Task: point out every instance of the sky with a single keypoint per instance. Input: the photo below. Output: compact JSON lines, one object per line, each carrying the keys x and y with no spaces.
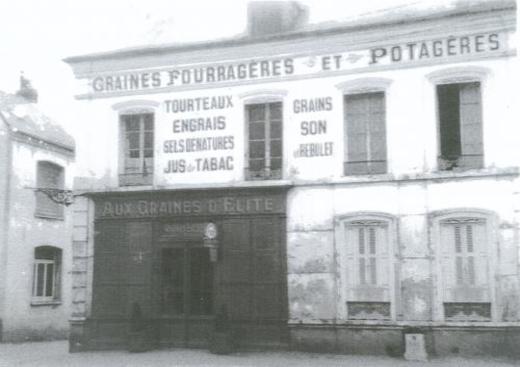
{"x":35,"y":35}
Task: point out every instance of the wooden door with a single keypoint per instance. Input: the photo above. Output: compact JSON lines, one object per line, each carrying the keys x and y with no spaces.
{"x":186,"y":295}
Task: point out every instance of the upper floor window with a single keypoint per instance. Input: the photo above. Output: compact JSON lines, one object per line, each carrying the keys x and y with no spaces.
{"x":264,"y":131}
{"x":48,"y":176}
{"x":138,"y":149}
{"x":46,"y":274}
{"x":365,"y":134}
{"x":460,"y":126}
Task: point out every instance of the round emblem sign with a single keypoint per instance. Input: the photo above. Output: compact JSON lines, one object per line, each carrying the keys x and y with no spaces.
{"x":211,"y":231}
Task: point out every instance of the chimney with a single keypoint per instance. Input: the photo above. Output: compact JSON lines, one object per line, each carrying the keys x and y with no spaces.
{"x":27,"y":91}
{"x":272,"y":17}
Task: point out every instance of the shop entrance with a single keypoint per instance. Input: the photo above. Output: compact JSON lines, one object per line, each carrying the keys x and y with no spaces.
{"x":186,"y":295}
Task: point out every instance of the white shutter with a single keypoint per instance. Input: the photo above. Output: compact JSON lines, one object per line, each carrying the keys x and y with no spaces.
{"x":481,"y":247}
{"x":471,"y":125}
{"x":448,"y":260}
{"x":352,"y":265}
{"x":383,"y":258}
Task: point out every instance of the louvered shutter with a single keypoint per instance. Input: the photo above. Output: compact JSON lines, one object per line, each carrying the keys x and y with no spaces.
{"x":448,"y":260}
{"x":465,"y":261}
{"x":49,"y":176}
{"x":471,"y":125}
{"x":383,"y":259}
{"x":352,"y":265}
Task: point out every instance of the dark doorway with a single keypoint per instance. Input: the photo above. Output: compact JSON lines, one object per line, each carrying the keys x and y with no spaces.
{"x":186,"y":291}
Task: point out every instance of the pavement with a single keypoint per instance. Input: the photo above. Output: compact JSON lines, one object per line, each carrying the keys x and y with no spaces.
{"x":56,"y":354}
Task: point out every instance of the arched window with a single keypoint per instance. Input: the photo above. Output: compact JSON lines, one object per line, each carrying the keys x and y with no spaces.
{"x":366,"y":251}
{"x":463,"y":244}
{"x":48,"y":176}
{"x":46,"y":274}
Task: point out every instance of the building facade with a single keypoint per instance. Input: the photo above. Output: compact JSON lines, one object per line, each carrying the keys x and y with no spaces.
{"x":36,"y":160}
{"x":329,"y":187}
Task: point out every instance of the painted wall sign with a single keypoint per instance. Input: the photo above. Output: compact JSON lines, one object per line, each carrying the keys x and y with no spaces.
{"x":186,"y":148}
{"x":224,"y":205}
{"x":313,"y":127}
{"x":439,"y":50}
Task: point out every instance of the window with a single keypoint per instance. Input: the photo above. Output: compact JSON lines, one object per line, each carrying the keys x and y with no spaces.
{"x":466,"y":291}
{"x":367,"y":276}
{"x":46,"y":278}
{"x":138,"y":149}
{"x":365,"y":134}
{"x":48,"y":176}
{"x":264,"y":130}
{"x":460,"y":126}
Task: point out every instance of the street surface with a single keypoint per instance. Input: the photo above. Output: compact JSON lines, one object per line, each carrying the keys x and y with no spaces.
{"x":56,"y":354}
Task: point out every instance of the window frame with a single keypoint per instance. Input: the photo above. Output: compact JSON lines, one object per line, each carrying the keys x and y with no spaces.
{"x":40,"y":198}
{"x":360,"y":86}
{"x":436,"y":220}
{"x":459,"y":75}
{"x":265,"y":97}
{"x":56,"y":262}
{"x":140,"y":108}
{"x":345,"y":286}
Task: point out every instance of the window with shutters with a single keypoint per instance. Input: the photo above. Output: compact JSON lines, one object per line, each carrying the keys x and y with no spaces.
{"x":367,"y":258}
{"x":460,"y":126}
{"x":138,"y":149}
{"x":46,"y":275}
{"x":264,"y":137}
{"x":365,"y":134}
{"x":465,"y":268}
{"x":48,"y":176}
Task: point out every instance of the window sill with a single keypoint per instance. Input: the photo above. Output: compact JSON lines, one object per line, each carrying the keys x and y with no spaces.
{"x":38,"y":303}
{"x":49,"y":216}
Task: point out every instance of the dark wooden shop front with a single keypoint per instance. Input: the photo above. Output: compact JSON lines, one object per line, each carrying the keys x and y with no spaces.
{"x":153,"y":250}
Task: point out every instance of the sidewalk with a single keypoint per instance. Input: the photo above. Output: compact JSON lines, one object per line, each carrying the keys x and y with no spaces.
{"x":56,"y":354}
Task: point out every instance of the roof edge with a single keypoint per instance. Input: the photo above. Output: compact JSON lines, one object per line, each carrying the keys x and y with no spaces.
{"x":244,"y":40}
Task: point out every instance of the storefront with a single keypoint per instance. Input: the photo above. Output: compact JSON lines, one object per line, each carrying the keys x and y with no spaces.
{"x":183,"y":257}
{"x":361,"y":187}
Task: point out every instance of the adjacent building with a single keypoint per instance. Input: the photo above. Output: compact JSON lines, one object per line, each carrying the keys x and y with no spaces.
{"x":36,"y":160}
{"x":328,"y":187}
